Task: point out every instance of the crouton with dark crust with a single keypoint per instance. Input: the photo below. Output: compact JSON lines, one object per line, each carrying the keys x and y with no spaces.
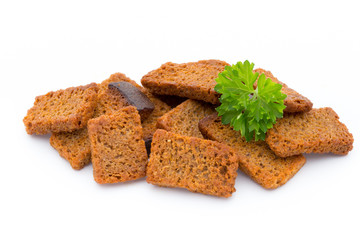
{"x":148,"y":123}
{"x":194,"y":80}
{"x":112,"y":99}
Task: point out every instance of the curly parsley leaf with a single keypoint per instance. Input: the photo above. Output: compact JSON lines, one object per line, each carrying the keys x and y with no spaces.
{"x":252,"y":111}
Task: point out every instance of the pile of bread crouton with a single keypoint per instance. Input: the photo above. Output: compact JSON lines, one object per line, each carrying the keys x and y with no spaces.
{"x":168,"y":130}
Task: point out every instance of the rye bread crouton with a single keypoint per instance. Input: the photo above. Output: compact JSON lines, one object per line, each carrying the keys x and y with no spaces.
{"x":73,"y":146}
{"x":123,"y":94}
{"x":317,"y":131}
{"x":255,"y":158}
{"x":294,"y":102}
{"x":117,"y":148}
{"x":64,"y":110}
{"x":196,"y":164}
{"x":111,"y":99}
{"x":184,"y":118}
{"x":194,"y":80}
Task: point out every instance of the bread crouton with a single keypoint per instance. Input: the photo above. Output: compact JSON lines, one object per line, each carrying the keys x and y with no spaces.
{"x":196,"y":164}
{"x":317,"y":131}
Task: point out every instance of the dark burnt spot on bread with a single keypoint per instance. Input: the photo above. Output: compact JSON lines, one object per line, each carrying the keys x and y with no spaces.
{"x":133,"y":96}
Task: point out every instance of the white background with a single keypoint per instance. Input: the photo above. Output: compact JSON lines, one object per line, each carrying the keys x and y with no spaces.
{"x":312,"y":46}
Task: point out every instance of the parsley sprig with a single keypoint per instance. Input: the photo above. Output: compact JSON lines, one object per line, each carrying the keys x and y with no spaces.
{"x":251,"y":110}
